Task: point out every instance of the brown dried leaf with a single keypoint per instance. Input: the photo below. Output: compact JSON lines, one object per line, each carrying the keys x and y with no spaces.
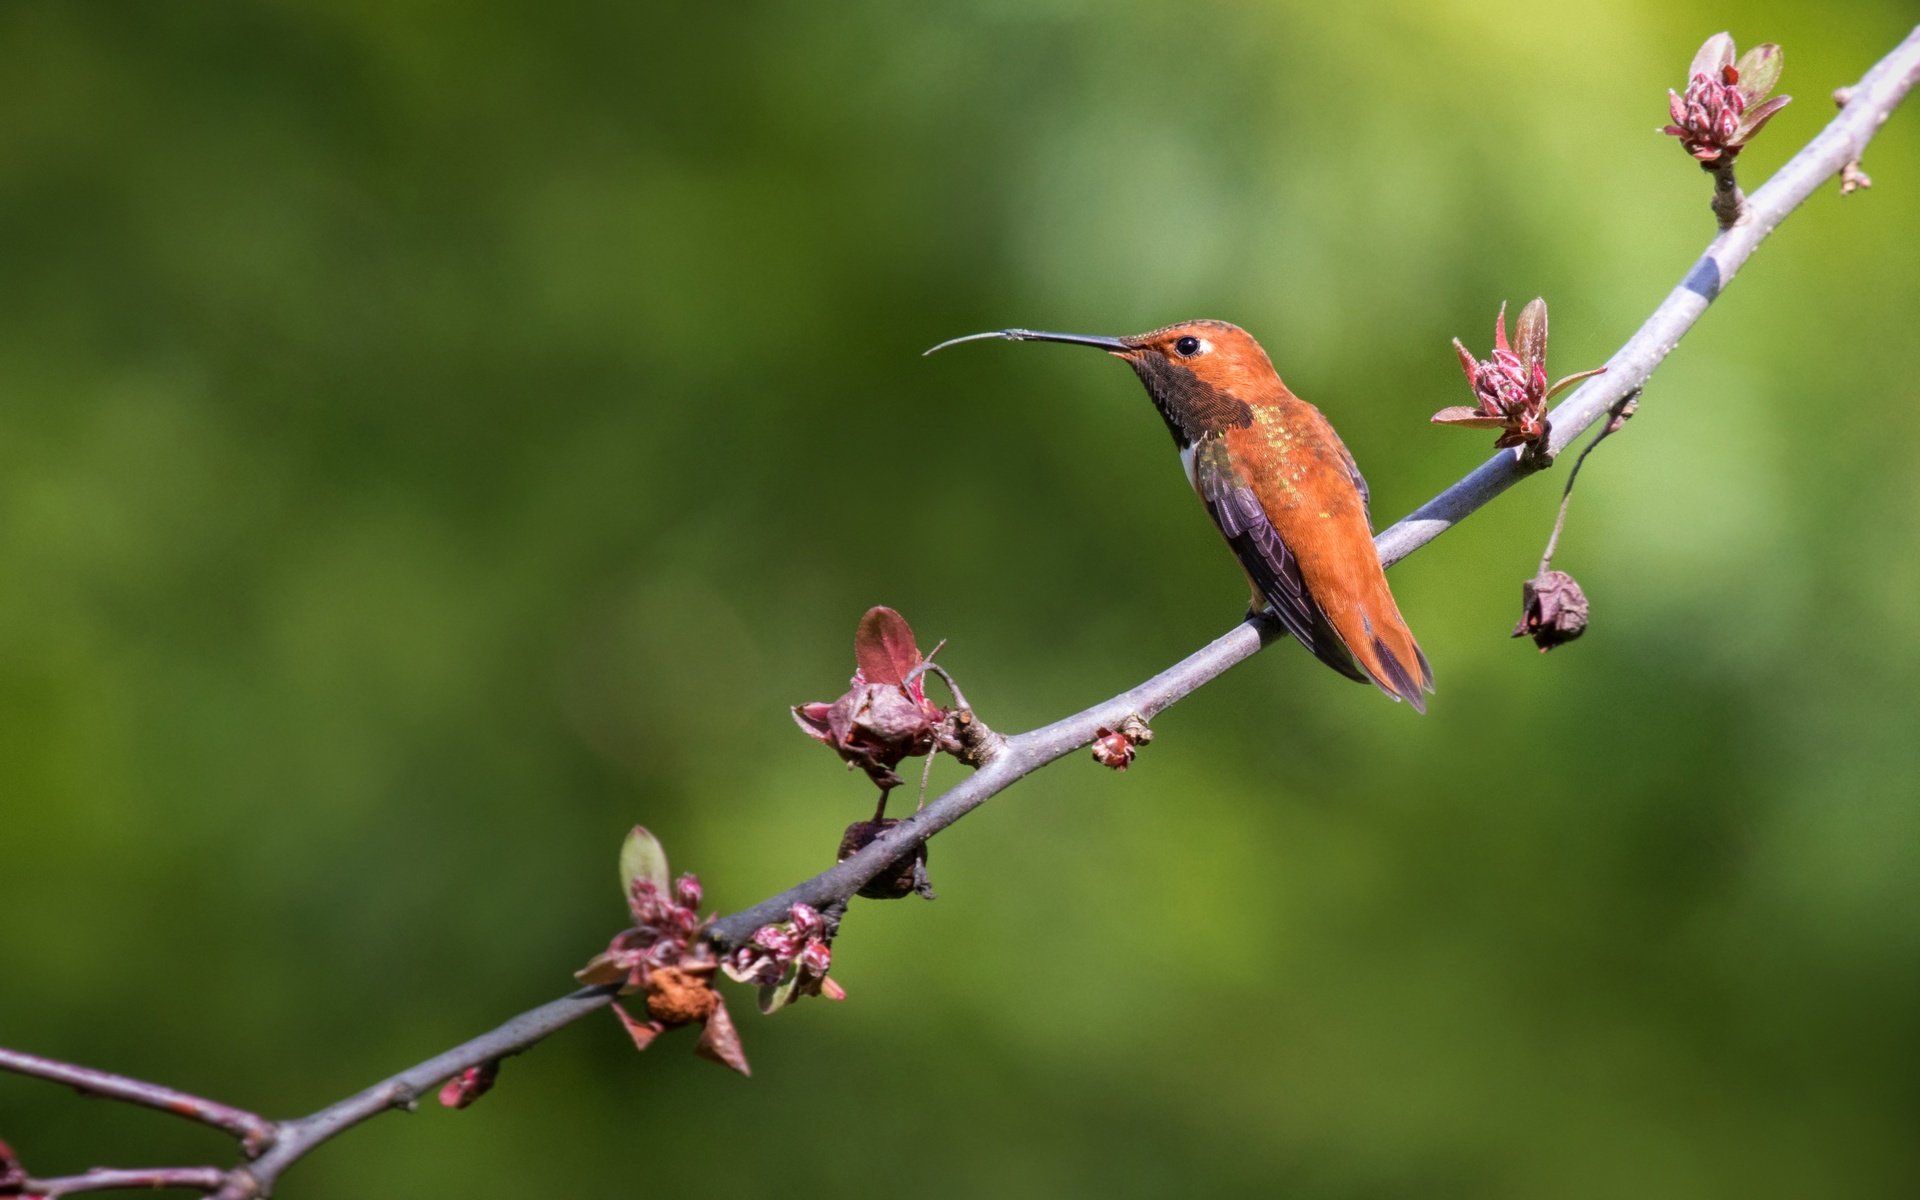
{"x":642,"y":1032}
{"x":720,"y":1042}
{"x":605,"y":967}
{"x":1466,"y":414}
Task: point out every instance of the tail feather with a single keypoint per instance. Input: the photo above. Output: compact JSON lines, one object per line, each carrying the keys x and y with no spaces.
{"x":1387,"y":651}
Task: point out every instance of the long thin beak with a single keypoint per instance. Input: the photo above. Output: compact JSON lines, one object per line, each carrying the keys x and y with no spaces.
{"x":1110,"y":345}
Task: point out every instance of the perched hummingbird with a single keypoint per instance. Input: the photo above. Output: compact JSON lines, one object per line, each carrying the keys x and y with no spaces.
{"x":1282,"y":488}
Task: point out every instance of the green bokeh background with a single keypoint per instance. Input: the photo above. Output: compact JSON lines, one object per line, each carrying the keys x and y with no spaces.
{"x":434,"y":438}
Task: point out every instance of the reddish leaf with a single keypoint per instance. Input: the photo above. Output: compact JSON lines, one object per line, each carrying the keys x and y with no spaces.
{"x":720,"y":1042}
{"x":1500,"y":329}
{"x":1716,"y":53}
{"x":1468,"y":362}
{"x":1561,"y":385}
{"x":1530,"y":333}
{"x":1758,"y":117}
{"x":642,"y":1032}
{"x":1463,"y":414}
{"x":884,"y":647}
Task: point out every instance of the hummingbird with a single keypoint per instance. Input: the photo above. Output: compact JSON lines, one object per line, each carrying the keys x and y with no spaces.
{"x":1282,"y":489}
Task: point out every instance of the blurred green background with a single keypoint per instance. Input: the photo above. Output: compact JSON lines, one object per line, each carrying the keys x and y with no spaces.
{"x":434,"y":438}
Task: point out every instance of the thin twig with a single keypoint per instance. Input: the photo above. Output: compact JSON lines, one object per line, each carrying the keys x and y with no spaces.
{"x":1729,"y":202}
{"x":1874,"y":99}
{"x":109,"y":1179}
{"x":255,"y":1132}
{"x":1852,"y":177}
{"x":1619,"y":413}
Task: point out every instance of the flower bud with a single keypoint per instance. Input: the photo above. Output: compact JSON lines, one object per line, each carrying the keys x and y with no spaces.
{"x":1555,"y":610}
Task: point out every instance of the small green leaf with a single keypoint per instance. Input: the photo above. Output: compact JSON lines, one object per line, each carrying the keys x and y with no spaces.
{"x":776,"y":996}
{"x":643,"y":857}
{"x":1759,"y":70}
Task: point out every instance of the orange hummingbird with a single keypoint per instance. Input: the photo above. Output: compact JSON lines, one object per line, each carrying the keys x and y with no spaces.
{"x":1282,"y":488}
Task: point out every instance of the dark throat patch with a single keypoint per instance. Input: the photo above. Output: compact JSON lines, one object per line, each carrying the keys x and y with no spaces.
{"x":1193,"y":408}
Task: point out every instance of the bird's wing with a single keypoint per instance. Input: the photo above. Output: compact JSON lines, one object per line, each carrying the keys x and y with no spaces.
{"x":1359,"y":485}
{"x":1235,"y":508}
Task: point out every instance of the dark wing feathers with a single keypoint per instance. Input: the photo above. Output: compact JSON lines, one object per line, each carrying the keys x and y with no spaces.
{"x":1266,"y":559}
{"x":1359,"y":485}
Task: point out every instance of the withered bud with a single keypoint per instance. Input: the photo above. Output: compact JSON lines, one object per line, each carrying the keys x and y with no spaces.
{"x":1112,"y":749}
{"x":1115,"y":748}
{"x":903,"y":877}
{"x":1554,"y":610}
{"x":13,"y":1176}
{"x":471,"y":1084}
{"x":677,"y":997}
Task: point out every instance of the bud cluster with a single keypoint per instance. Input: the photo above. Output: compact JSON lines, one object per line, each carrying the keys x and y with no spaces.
{"x":1725,"y":103}
{"x":663,"y":957}
{"x":1510,"y":389}
{"x":787,"y":959}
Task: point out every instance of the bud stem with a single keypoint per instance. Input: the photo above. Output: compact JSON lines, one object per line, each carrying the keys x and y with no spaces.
{"x":1617,"y":416}
{"x":1729,"y":202}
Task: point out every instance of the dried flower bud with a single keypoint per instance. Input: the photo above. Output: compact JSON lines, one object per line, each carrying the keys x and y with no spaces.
{"x":662,"y":955}
{"x":905,"y":876}
{"x":1555,"y":610}
{"x":471,"y":1084}
{"x":1112,"y":749}
{"x":677,"y":997}
{"x":885,"y":715}
{"x":13,"y":1176}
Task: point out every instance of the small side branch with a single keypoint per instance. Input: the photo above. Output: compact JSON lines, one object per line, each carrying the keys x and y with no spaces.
{"x":298,"y":1138}
{"x":256,"y":1133}
{"x":147,"y":1179}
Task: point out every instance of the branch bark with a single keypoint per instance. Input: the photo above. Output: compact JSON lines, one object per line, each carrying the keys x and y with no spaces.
{"x":1870,"y":103}
{"x":255,"y":1132}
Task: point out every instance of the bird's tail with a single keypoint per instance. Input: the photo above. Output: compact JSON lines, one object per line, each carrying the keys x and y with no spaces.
{"x":1374,"y":630}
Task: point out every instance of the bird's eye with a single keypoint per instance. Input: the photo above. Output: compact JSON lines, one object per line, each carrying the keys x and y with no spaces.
{"x":1187,"y":346}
